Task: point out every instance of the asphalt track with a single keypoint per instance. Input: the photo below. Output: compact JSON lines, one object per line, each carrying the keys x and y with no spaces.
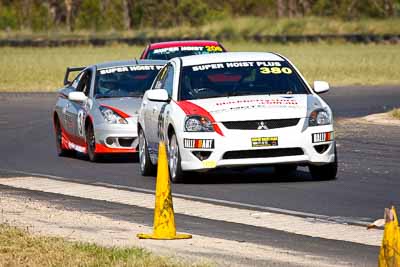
{"x":368,"y":179}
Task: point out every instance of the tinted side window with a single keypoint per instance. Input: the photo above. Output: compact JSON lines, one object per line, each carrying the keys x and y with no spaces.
{"x":76,"y":80}
{"x":159,"y":82}
{"x":169,"y":80}
{"x":165,"y":79}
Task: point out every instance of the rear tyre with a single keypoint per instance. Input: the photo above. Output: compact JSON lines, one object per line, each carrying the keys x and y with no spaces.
{"x":61,"y":152}
{"x":146,"y":167}
{"x":325,"y":172}
{"x":174,"y":160}
{"x":284,"y":170}
{"x":91,"y":144}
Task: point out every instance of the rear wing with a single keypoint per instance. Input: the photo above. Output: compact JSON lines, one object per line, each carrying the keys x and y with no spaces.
{"x":69,"y":70}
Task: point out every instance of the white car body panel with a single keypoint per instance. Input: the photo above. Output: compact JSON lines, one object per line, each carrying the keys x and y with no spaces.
{"x":238,"y":108}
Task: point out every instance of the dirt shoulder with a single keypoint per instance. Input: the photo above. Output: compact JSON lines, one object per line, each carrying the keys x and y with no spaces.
{"x":45,"y":218}
{"x":378,"y":119}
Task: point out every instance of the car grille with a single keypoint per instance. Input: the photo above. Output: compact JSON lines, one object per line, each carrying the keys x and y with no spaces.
{"x":257,"y":125}
{"x":263,"y":153}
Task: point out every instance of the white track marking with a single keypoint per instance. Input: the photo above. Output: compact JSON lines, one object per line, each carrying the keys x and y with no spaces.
{"x":288,"y":223}
{"x":338,"y":219}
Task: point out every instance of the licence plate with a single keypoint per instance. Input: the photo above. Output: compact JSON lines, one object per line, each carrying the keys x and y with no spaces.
{"x":264,"y":141}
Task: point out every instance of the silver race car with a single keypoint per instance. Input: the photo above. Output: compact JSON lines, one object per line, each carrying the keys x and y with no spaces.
{"x":97,"y":112}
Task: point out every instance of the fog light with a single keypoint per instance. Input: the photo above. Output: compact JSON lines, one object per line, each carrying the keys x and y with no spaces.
{"x":110,"y":141}
{"x":202,"y":155}
{"x":321,"y":148}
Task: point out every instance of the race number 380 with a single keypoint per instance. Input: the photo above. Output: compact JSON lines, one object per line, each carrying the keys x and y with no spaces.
{"x":275,"y":70}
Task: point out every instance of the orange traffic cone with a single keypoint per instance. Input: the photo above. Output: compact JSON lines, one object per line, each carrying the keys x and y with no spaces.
{"x":164,"y":221}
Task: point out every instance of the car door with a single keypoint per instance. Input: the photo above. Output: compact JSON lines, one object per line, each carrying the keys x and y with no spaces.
{"x":67,"y":118}
{"x":155,"y":109}
{"x":76,"y":111}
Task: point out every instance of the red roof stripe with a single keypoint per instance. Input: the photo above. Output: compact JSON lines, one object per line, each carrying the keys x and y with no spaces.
{"x":182,"y":43}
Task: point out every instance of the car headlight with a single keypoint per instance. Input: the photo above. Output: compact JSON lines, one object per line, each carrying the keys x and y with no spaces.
{"x":198,"y":124}
{"x":319,"y":117}
{"x":112,"y":117}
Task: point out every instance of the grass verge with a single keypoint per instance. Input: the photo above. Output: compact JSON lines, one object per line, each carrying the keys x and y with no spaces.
{"x":43,"y":69}
{"x":19,"y":248}
{"x":395,"y":113}
{"x":235,"y":28}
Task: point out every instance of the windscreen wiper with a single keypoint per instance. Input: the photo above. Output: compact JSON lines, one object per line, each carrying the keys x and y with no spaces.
{"x":280,"y":92}
{"x":105,"y":96}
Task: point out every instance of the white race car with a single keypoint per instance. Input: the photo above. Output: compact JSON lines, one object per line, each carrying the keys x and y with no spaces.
{"x":240,"y":109}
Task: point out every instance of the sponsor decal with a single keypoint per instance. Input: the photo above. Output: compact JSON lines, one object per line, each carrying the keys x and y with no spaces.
{"x":166,"y":50}
{"x":161,"y":123}
{"x":191,"y":48}
{"x":322,"y":137}
{"x":76,"y":147}
{"x":80,"y":122}
{"x":198,"y":143}
{"x":72,"y":142}
{"x":208,"y":66}
{"x":69,"y":121}
{"x":209,"y":164}
{"x":265,"y":67}
{"x":273,"y":101}
{"x":100,"y":148}
{"x":130,"y":68}
{"x":264,"y":141}
{"x":208,"y":48}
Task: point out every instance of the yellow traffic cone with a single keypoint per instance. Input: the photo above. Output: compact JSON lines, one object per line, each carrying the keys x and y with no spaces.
{"x":164,"y":221}
{"x":389,"y":254}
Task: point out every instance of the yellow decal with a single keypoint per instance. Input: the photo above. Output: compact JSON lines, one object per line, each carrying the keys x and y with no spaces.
{"x":213,"y":48}
{"x":264,"y":141}
{"x":209,"y":163}
{"x":275,"y":70}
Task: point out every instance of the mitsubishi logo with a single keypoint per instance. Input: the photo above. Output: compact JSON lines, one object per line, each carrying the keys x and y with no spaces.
{"x":262,"y":126}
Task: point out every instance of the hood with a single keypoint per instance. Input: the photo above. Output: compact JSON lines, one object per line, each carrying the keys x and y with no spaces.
{"x":128,"y":105}
{"x":256,"y":107}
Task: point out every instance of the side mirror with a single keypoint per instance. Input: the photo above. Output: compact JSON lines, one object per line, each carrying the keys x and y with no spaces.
{"x":77,"y":96}
{"x":321,"y":87}
{"x":159,"y":95}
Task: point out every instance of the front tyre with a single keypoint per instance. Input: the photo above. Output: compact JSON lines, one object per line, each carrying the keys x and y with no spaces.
{"x":174,"y":160}
{"x":325,"y":172}
{"x":91,"y":144}
{"x":146,"y":167}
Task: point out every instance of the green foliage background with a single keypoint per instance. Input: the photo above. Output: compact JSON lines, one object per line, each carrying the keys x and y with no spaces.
{"x":100,"y":15}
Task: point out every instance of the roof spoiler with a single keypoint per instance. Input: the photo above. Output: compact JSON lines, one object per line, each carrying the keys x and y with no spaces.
{"x":69,"y":70}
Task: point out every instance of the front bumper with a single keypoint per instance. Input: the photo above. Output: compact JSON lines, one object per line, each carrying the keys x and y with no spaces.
{"x":295,"y":145}
{"x":116,"y":138}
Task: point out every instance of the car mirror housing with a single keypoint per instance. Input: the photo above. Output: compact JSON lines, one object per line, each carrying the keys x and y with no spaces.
{"x":321,"y":87}
{"x":159,"y":95}
{"x":77,"y":96}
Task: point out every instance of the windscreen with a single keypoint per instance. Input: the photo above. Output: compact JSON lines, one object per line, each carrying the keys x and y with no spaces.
{"x":125,"y":81}
{"x":240,"y":78}
{"x":181,"y":51}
